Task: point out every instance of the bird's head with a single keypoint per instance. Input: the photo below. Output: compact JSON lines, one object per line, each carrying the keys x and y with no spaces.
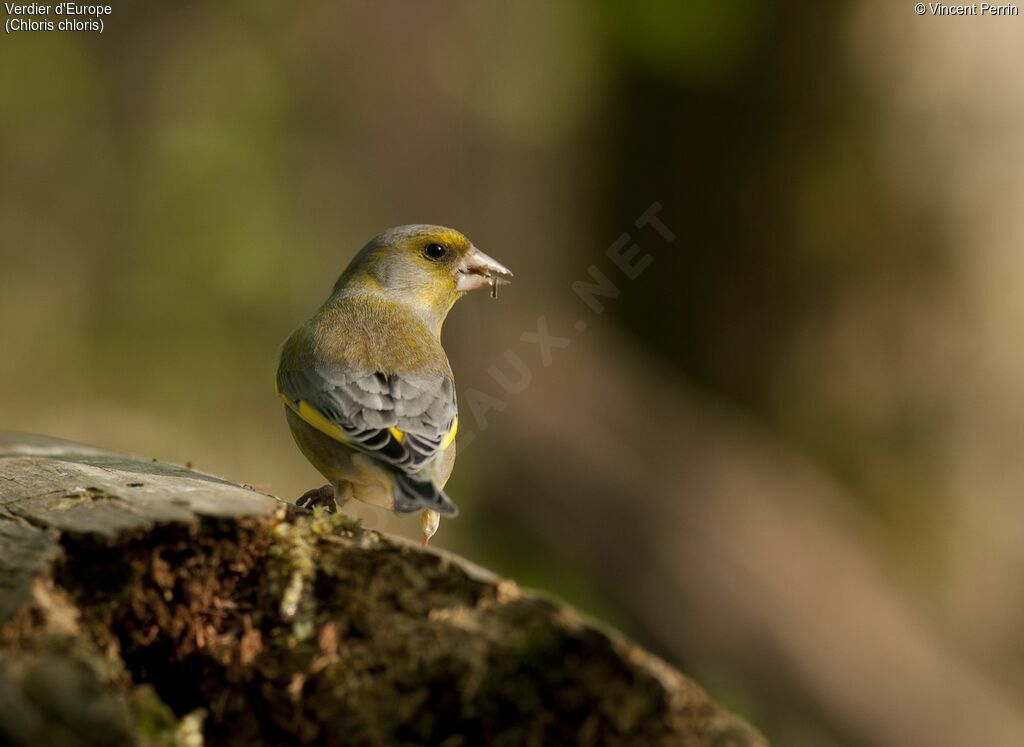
{"x":428,"y":267}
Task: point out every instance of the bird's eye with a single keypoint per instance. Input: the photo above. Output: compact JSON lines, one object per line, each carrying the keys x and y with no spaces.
{"x":435,"y":251}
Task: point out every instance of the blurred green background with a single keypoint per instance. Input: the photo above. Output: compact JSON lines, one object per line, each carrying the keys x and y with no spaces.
{"x":787,"y":457}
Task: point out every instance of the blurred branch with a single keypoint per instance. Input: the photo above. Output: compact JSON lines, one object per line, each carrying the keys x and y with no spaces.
{"x":734,"y":552}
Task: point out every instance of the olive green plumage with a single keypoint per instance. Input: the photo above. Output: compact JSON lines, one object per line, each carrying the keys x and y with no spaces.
{"x":369,"y":393}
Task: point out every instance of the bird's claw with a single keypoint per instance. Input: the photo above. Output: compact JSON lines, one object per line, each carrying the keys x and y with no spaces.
{"x":322,"y":496}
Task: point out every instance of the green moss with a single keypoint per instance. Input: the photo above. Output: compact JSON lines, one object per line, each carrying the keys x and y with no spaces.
{"x":304,"y":629}
{"x":155,"y":723}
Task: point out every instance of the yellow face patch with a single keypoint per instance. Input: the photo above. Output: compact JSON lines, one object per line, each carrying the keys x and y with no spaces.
{"x":454,"y":239}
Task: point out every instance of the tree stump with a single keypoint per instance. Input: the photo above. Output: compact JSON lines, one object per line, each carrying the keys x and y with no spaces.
{"x":146,"y":603}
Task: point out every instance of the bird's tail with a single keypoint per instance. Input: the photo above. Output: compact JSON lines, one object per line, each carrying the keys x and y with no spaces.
{"x":414,"y":493}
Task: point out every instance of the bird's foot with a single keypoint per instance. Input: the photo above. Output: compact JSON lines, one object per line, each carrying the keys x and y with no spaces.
{"x":322,"y":496}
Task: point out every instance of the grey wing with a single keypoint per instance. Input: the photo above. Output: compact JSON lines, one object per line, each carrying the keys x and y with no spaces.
{"x":403,"y":421}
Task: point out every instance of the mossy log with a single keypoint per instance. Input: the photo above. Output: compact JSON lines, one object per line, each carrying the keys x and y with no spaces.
{"x":147,"y":603}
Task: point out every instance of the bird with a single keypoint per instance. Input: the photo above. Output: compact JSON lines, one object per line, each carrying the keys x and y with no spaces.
{"x":368,"y":390}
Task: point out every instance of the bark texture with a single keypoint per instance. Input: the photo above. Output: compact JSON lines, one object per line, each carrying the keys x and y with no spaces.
{"x":146,"y":603}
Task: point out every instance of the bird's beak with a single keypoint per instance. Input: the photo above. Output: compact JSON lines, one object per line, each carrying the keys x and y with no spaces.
{"x":477,"y":270}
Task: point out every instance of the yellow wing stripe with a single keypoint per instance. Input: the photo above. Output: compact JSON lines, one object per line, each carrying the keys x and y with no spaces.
{"x":313,"y":416}
{"x":316,"y":419}
{"x":447,"y":440}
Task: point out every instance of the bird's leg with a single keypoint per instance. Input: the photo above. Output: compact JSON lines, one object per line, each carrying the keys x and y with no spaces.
{"x":343,"y":492}
{"x":323,"y":496}
{"x":431,"y":520}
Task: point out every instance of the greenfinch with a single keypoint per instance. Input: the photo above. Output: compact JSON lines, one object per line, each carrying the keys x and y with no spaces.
{"x":368,"y":390}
